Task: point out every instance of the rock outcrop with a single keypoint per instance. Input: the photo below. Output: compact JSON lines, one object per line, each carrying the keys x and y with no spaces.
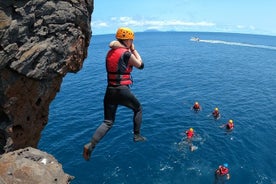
{"x":40,"y":42}
{"x":31,"y":166}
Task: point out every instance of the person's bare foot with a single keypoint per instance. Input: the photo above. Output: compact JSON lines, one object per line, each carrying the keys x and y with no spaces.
{"x":87,"y":149}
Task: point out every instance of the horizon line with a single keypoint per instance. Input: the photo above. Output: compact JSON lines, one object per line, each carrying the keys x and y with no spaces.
{"x":154,"y":31}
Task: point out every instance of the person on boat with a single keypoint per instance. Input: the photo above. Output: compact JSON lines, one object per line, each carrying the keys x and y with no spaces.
{"x":216,"y":113}
{"x":196,"y":106}
{"x":229,"y":125}
{"x":222,"y":173}
{"x":120,"y":60}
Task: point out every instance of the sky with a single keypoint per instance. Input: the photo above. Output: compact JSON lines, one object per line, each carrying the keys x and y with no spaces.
{"x":233,"y":16}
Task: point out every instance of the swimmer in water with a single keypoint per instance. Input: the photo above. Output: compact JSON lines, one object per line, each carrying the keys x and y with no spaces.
{"x":216,"y":113}
{"x":222,"y":173}
{"x":229,"y":125}
{"x":196,"y":107}
{"x":190,"y":134}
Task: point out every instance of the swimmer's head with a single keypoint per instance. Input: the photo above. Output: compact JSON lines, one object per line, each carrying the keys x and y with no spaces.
{"x":230,"y":121}
{"x":216,"y":109}
{"x":191,"y":129}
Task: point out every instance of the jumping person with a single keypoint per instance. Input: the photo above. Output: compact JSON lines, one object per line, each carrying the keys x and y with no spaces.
{"x":120,"y":60}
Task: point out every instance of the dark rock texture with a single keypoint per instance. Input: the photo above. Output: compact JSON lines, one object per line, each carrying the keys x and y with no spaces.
{"x":41,"y":41}
{"x":31,"y":166}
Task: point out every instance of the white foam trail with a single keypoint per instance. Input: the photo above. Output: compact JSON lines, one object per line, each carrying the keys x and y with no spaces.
{"x":238,"y":44}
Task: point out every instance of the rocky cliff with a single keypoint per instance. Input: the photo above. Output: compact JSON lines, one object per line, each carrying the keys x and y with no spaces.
{"x":40,"y":42}
{"x":31,"y":166}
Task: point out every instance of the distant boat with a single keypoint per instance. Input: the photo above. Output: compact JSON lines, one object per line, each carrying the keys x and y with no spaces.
{"x":195,"y":39}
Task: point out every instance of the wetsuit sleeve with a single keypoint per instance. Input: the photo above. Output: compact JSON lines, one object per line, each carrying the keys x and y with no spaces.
{"x":142,"y":66}
{"x":126,"y":56}
{"x":137,"y":63}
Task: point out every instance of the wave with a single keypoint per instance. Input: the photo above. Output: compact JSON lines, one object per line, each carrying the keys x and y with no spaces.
{"x":237,"y":44}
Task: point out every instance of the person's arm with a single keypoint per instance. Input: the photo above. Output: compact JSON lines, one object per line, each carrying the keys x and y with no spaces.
{"x":224,"y":125}
{"x":228,"y":176}
{"x":135,"y":58}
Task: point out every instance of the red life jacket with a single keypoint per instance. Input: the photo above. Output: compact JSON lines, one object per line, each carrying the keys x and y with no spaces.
{"x":196,"y":106}
{"x":230,"y":126}
{"x":216,"y":113}
{"x":117,"y":67}
{"x":189,"y":134}
{"x":222,"y":170}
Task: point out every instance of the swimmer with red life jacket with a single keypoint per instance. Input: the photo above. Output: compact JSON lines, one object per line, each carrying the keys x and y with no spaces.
{"x":190,"y":134}
{"x":216,"y":113}
{"x":222,"y":172}
{"x":196,"y":107}
{"x":229,"y":125}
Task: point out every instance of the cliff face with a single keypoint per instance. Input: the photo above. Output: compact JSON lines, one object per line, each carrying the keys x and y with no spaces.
{"x":41,"y":41}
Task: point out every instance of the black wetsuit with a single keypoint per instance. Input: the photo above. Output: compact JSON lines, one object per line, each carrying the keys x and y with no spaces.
{"x":119,"y":95}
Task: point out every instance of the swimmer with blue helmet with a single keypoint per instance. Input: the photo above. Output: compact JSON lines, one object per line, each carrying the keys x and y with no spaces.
{"x":222,"y":173}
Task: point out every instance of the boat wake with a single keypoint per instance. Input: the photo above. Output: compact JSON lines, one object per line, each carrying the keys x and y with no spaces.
{"x":237,"y":44}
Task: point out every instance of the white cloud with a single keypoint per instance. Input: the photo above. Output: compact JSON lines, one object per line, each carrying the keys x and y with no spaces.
{"x":146,"y":24}
{"x":246,"y":27}
{"x":252,"y":27}
{"x":140,"y":24}
{"x":129,"y":21}
{"x":99,"y":24}
{"x":240,"y":26}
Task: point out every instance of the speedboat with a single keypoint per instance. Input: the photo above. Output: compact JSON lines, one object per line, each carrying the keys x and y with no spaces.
{"x":195,"y":39}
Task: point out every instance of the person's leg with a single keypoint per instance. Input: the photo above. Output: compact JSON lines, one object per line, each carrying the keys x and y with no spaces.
{"x":109,"y":118}
{"x":129,"y":100}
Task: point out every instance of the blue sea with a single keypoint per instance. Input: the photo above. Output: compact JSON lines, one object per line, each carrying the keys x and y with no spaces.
{"x":234,"y":72}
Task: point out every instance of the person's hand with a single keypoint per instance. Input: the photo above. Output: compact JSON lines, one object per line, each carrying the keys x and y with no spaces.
{"x":132,"y":48}
{"x":228,"y":176}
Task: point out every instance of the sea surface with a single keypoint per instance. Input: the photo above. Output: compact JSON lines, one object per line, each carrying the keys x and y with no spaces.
{"x":234,"y":72}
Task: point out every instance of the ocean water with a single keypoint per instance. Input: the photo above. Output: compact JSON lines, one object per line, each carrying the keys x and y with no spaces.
{"x":234,"y":72}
